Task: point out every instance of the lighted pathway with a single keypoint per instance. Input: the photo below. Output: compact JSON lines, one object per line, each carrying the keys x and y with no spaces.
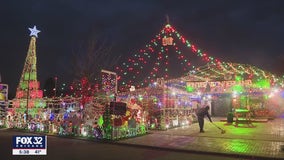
{"x":264,"y":140}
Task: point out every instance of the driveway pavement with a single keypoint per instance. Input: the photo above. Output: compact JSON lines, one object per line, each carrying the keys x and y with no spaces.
{"x":263,"y":141}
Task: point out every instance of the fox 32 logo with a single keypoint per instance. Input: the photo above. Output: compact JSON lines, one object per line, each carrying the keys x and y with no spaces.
{"x":29,"y":142}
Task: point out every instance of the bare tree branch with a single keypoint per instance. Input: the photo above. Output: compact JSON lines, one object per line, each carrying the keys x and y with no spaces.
{"x":90,"y":58}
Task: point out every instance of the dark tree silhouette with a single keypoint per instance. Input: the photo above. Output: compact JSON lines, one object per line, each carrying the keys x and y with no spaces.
{"x":91,"y":58}
{"x":88,"y":61}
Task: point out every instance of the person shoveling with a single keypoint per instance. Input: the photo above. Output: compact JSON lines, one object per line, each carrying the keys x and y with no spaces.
{"x":201,"y":113}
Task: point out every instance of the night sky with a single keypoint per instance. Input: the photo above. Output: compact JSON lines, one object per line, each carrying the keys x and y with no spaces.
{"x":241,"y":31}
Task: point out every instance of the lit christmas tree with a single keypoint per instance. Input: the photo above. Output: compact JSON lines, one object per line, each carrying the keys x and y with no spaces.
{"x":28,"y":95}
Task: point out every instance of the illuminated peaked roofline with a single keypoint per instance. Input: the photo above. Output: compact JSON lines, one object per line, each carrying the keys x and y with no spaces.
{"x":226,"y":70}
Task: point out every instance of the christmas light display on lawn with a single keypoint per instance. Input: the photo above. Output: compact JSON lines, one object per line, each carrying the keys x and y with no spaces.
{"x":153,"y":62}
{"x":28,"y":95}
{"x":166,"y":102}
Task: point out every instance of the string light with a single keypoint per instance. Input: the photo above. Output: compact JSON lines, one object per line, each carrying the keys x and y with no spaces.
{"x":159,"y":50}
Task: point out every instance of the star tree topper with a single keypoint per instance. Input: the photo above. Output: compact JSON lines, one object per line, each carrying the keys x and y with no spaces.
{"x":34,"y":31}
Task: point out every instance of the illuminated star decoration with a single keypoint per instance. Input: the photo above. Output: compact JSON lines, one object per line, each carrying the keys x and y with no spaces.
{"x":34,"y":31}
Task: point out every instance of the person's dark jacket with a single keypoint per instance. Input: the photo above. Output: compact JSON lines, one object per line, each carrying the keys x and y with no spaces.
{"x":202,"y":112}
